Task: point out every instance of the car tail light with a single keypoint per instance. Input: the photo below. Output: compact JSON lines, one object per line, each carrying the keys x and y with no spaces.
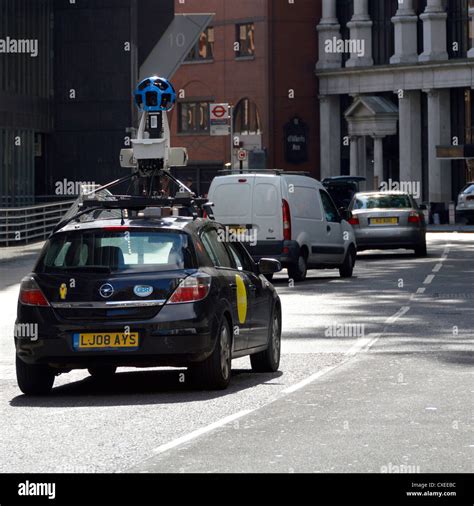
{"x":31,"y":294}
{"x":191,"y":289}
{"x":353,"y":220}
{"x":471,"y":197}
{"x":286,"y":221}
{"x":414,"y":217}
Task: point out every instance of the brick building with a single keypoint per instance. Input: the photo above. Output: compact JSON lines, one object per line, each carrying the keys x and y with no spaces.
{"x":259,"y":56}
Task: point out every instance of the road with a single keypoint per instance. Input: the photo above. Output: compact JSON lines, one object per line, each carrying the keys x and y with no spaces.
{"x":376,"y":376}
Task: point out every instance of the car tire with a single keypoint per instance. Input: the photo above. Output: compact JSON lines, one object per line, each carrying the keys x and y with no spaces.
{"x":34,"y":379}
{"x":269,"y":360}
{"x":214,"y":373}
{"x":347,"y":268}
{"x":421,"y":250}
{"x":297,"y":272}
{"x":102,"y":373}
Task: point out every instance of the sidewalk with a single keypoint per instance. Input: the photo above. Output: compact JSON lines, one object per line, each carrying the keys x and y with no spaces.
{"x":13,"y":253}
{"x":458,"y":228}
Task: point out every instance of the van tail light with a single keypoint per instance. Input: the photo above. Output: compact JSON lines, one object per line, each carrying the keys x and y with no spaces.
{"x":354,"y":221}
{"x":31,"y":294}
{"x":191,"y":289}
{"x":286,"y":221}
{"x":414,"y":217}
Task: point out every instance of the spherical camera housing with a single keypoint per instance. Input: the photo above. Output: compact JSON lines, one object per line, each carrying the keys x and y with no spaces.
{"x":155,"y":94}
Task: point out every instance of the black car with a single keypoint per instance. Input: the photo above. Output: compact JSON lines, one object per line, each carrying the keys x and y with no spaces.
{"x":343,"y":188}
{"x":146,"y":292}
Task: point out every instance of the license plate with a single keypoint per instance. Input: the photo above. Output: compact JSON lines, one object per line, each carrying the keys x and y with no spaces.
{"x":106,"y":341}
{"x":384,"y":221}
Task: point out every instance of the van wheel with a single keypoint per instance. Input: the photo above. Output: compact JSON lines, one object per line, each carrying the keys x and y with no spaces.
{"x":34,"y":379}
{"x":347,"y":268}
{"x":215,"y":371}
{"x":269,"y":360}
{"x":298,"y":271}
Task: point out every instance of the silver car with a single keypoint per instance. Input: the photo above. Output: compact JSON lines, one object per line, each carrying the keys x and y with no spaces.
{"x":388,"y":220}
{"x":465,"y":207}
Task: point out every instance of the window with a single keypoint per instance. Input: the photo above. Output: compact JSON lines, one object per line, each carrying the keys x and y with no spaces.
{"x":383,"y":31}
{"x":204,"y":48}
{"x":241,"y":260}
{"x":193,"y":117}
{"x":332,"y":215}
{"x":216,"y":249}
{"x":127,"y":251}
{"x":383,"y":202}
{"x":458,"y":28}
{"x":246,"y":118}
{"x":246,"y":40}
{"x":305,"y":204}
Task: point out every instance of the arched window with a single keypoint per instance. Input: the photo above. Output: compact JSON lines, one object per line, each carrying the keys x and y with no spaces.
{"x":246,"y":118}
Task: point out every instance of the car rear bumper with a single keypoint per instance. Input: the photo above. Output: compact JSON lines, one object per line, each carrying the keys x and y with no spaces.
{"x":286,"y":252}
{"x":389,"y":237}
{"x":175,"y":337}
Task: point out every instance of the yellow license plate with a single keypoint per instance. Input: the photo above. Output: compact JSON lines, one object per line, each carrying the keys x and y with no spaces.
{"x":384,"y":221}
{"x":106,"y":340}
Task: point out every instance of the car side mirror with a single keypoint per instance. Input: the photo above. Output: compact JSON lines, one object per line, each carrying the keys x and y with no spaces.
{"x":345,"y":214}
{"x":269,"y":266}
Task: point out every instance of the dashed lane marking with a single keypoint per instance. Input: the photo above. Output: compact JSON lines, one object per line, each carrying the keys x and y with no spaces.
{"x":429,"y":279}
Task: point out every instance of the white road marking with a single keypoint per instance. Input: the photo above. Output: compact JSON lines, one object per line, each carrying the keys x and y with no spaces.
{"x":309,"y":380}
{"x":199,"y":432}
{"x":429,"y":279}
{"x":421,"y":291}
{"x":402,"y":311}
{"x":364,"y":344}
{"x":437,"y":267}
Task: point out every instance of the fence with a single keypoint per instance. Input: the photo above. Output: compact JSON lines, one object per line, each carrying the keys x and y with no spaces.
{"x":21,"y":225}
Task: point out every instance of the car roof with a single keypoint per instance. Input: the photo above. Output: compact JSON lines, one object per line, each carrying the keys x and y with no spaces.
{"x":380,"y":194}
{"x":174,"y":223}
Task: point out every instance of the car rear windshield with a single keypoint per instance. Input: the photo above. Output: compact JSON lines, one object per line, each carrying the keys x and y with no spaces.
{"x":469,"y":189}
{"x":117,"y":251}
{"x":383,"y":202}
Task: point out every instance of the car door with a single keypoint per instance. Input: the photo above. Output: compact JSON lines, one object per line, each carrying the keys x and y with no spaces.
{"x":260,"y":295}
{"x":237,"y":292}
{"x":333,"y":250}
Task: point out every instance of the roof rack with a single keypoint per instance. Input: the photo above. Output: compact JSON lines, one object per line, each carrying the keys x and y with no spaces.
{"x":277,"y":172}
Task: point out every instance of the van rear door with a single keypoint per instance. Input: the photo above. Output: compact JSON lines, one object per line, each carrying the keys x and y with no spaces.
{"x":267,"y":217}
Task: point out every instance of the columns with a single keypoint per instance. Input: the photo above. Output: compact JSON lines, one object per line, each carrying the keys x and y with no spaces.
{"x":406,"y":39}
{"x":329,"y":33}
{"x":439,"y":133}
{"x":409,"y":111}
{"x":330,"y":135}
{"x":361,"y":33}
{"x":434,"y":32}
{"x":470,"y":53}
{"x":354,"y":156}
{"x":378,"y":161}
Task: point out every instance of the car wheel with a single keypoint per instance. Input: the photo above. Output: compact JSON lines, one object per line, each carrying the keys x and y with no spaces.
{"x":34,"y":379}
{"x":102,"y":373}
{"x":347,"y":268}
{"x":298,"y":271}
{"x":215,"y":371}
{"x":269,"y":360}
{"x":421,"y":250}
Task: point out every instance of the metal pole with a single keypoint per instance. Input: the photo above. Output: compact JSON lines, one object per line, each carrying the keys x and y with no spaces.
{"x":231,"y":112}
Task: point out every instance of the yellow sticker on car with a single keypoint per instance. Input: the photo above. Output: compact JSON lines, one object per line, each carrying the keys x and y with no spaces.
{"x":241,"y":299}
{"x":63,"y":291}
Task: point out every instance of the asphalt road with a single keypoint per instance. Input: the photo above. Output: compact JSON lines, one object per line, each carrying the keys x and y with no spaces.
{"x":376,"y":376}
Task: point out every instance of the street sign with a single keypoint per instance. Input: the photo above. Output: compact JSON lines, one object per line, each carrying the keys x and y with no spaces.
{"x":242,"y":155}
{"x":219,"y":119}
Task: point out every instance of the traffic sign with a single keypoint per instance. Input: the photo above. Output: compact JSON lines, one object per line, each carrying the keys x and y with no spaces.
{"x":219,"y":119}
{"x":242,"y":155}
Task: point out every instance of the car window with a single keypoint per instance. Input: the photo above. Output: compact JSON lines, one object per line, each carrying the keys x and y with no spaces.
{"x":241,"y":260}
{"x":332,"y":214}
{"x":469,"y":189}
{"x":138,"y":251}
{"x":216,"y":249}
{"x":382,"y":202}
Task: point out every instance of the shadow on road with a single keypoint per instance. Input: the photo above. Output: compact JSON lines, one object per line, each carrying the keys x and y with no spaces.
{"x":140,"y":388}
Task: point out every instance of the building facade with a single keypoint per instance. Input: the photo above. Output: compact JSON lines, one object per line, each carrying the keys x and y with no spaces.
{"x":255,"y":55}
{"x":396,"y":82}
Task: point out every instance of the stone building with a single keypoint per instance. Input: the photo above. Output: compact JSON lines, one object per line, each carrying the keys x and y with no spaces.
{"x":396,"y":98}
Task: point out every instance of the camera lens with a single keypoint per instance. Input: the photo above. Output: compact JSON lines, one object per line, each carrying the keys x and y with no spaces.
{"x":151,"y":98}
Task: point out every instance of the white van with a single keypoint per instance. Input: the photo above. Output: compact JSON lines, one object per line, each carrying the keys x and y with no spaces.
{"x":287,"y":216}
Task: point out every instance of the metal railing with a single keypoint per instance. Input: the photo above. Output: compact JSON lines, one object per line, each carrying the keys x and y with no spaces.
{"x":22,"y":225}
